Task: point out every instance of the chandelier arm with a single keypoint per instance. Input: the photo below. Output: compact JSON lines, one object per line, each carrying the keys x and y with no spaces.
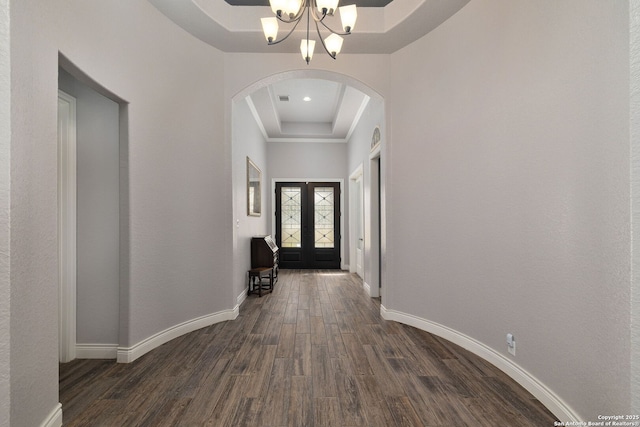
{"x":313,"y":7}
{"x":292,"y":20}
{"x":334,"y":32}
{"x":298,"y":15}
{"x":308,"y":57}
{"x":287,"y":36}
{"x":310,"y":7}
{"x":322,"y":42}
{"x":320,"y":19}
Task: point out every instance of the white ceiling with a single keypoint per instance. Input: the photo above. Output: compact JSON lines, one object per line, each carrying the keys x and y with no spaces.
{"x":359,"y":3}
{"x":334,"y":109}
{"x":377,"y":30}
{"x":329,"y":115}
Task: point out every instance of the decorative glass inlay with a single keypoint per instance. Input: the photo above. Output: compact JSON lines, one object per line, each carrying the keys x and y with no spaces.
{"x":291,"y":216}
{"x":323,"y":217}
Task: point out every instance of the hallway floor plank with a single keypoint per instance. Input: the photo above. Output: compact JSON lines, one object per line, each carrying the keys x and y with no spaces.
{"x":315,"y":352}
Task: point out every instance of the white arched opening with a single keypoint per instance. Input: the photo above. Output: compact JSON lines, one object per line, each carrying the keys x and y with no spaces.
{"x":248,"y":141}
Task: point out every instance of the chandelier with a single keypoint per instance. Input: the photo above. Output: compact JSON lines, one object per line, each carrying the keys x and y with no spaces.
{"x":292,"y":12}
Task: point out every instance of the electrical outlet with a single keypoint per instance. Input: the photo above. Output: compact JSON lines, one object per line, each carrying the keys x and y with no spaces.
{"x":511,"y":344}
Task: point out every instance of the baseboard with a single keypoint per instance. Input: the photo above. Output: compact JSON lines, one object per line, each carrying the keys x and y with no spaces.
{"x":366,"y":287}
{"x":371,"y":292}
{"x":55,"y":417}
{"x":240,"y":298}
{"x":97,"y":351}
{"x":547,"y":397}
{"x":129,"y":354}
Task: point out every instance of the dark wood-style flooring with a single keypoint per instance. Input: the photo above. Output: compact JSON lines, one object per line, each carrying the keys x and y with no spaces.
{"x":315,"y":352}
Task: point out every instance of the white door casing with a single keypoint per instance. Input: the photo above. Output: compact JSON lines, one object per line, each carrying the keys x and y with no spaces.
{"x":374,"y":249}
{"x":356,"y":208}
{"x":360,"y":229}
{"x":67,"y":226}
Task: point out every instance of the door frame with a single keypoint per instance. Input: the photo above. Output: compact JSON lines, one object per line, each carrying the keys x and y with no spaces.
{"x":273,"y":206}
{"x":375,"y":225}
{"x":67,"y":222}
{"x":356,"y":188}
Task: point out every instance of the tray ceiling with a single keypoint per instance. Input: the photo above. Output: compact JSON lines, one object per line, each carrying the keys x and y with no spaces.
{"x":307,"y":110}
{"x":359,"y":3}
{"x":238,"y":28}
{"x":383,"y":27}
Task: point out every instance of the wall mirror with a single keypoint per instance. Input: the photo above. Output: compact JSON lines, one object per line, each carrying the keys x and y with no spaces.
{"x":254,"y":193}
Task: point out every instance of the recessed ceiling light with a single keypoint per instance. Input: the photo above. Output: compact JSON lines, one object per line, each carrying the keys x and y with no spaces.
{"x":306,"y":99}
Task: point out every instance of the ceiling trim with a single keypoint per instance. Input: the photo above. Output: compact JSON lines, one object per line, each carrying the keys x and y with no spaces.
{"x":272,"y":97}
{"x":359,"y":3}
{"x":336,"y":106}
{"x":324,"y":140}
{"x":367,"y":93}
{"x":358,"y":116}
{"x":238,"y":28}
{"x":307,"y":140}
{"x":256,"y":117}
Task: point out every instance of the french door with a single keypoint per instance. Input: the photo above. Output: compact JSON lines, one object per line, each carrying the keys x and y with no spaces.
{"x":308,"y":224}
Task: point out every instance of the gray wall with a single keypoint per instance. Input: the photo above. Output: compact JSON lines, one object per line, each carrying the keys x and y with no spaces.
{"x":33,"y":213}
{"x":179,"y":248}
{"x":5,"y":210}
{"x":247,"y":141}
{"x":98,"y":225}
{"x":635,"y":191}
{"x":509,"y":157}
{"x":510,"y":173}
{"x":290,"y":160}
{"x":314,"y":161}
{"x":359,"y":150}
{"x":307,"y":160}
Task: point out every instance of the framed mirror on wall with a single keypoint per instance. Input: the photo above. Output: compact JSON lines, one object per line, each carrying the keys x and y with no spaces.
{"x":254,"y":192}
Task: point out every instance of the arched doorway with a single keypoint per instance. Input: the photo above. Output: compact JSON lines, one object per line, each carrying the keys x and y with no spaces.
{"x":271,"y":154}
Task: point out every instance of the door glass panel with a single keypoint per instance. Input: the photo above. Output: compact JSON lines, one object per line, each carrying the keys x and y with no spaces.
{"x":291,"y":217}
{"x":323,"y":217}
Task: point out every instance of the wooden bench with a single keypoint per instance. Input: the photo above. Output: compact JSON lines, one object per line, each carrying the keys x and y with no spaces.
{"x":256,"y":277}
